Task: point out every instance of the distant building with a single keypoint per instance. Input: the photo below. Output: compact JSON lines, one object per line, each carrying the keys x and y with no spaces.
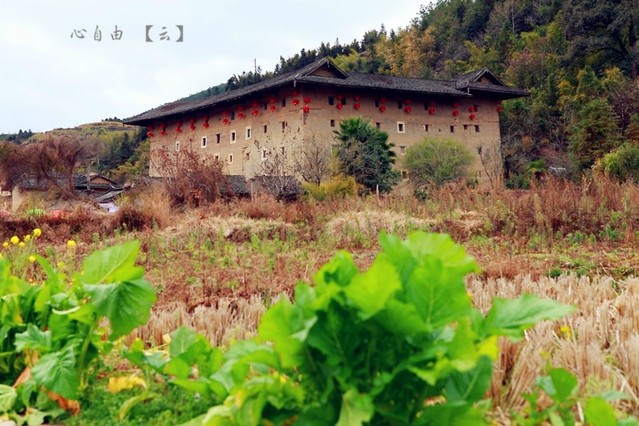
{"x":244,"y":127}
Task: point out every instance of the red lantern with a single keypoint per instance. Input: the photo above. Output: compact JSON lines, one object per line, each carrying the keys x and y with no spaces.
{"x":296,"y":101}
{"x":471,"y":109}
{"x":407,"y":101}
{"x":455,"y":113}
{"x":471,"y":116}
{"x":356,"y":98}
{"x":271,"y":100}
{"x":225,"y":121}
{"x":179,"y":127}
{"x":382,"y":100}
{"x":356,"y":105}
{"x":240,"y":115}
{"x":193,"y":124}
{"x":255,"y":112}
{"x":206,"y":122}
{"x":149,"y":134}
{"x":408,"y":109}
{"x":272,"y":108}
{"x":339,"y":105}
{"x":307,"y":100}
{"x":382,"y":108}
{"x":456,"y":105}
{"x":500,"y":109}
{"x":306,"y":109}
{"x":163,"y":132}
{"x":431,"y":110}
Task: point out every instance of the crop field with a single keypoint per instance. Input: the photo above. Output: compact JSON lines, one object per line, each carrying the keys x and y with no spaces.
{"x":216,"y":269}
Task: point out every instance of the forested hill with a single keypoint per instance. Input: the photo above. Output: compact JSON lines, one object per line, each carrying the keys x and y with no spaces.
{"x":578,"y":58}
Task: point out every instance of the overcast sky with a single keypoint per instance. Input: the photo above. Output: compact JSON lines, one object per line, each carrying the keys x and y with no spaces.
{"x":50,"y":78}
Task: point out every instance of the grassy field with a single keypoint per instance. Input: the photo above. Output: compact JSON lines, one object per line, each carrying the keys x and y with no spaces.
{"x":218,"y":267}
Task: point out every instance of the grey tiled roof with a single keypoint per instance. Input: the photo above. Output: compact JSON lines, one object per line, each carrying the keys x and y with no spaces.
{"x":460,"y":87}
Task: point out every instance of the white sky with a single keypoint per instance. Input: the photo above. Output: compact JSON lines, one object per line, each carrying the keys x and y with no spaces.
{"x":50,"y":80}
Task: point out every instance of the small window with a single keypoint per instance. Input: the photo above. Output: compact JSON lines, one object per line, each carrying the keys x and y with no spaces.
{"x":248,"y":133}
{"x":331,"y":100}
{"x":230,"y":158}
{"x":452,"y":129}
{"x":177,"y":145}
{"x":400,"y":127}
{"x":284,"y":102}
{"x":247,"y":156}
{"x":264,"y":154}
{"x":265,"y":128}
{"x":204,"y":142}
{"x":218,"y":138}
{"x":378,"y":125}
{"x":233,"y":115}
{"x":400,"y":105}
{"x":402,"y":149}
{"x":265,"y":106}
{"x":465,"y":126}
{"x":377,"y":102}
{"x":332,"y":123}
{"x":233,"y":136}
{"x":476,"y":128}
{"x":427,"y":127}
{"x":344,"y":101}
{"x":283,"y":125}
{"x":216,"y":157}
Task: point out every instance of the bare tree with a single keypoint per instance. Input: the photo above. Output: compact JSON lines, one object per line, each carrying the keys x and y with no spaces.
{"x":312,"y":161}
{"x":492,"y":162}
{"x":275,"y":172}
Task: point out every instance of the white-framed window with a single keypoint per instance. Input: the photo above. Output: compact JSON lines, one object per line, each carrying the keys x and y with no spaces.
{"x":402,"y":149}
{"x":247,"y":132}
{"x":233,"y":136}
{"x":177,"y":145}
{"x":427,"y":127}
{"x":218,"y":137}
{"x":204,"y":142}
{"x":264,"y":154}
{"x":230,"y":159}
{"x":401,"y":128}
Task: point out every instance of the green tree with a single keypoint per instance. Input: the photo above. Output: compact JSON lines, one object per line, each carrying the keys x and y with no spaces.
{"x":622,"y":163}
{"x":434,"y":162}
{"x":365,"y":153}
{"x":594,"y":133}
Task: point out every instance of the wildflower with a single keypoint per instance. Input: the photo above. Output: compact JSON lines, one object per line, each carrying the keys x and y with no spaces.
{"x":70,"y":243}
{"x":5,"y":244}
{"x":61,"y":264}
{"x":566,"y":331}
{"x":27,"y":238}
{"x":37,"y":232}
{"x":15,"y":240}
{"x":32,"y":259}
{"x":21,"y":244}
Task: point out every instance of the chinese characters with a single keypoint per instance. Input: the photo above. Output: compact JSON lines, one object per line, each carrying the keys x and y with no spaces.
{"x":174,"y":33}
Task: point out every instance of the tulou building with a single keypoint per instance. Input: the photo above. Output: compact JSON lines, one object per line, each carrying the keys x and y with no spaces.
{"x":287,"y":113}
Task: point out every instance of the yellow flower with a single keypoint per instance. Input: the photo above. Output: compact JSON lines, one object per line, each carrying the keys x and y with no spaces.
{"x":21,"y":244}
{"x":15,"y":240}
{"x":0,"y":255}
{"x":32,"y":259}
{"x":27,"y":238}
{"x":61,"y":264}
{"x":37,"y":232}
{"x":5,"y":244}
{"x":566,"y":331}
{"x":70,"y":243}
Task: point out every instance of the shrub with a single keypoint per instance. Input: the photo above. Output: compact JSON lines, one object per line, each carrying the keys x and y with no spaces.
{"x":336,"y":188}
{"x":435,"y":162}
{"x":621,"y":164}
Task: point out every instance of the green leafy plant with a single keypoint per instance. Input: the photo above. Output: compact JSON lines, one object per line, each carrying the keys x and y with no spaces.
{"x":53,"y":332}
{"x":399,"y":343}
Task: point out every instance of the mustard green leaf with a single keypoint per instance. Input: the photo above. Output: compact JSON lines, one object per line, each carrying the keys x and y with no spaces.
{"x":599,"y":412}
{"x":112,"y":265}
{"x":471,"y":385}
{"x":126,"y":305}
{"x":401,"y":318}
{"x":57,"y":372}
{"x":8,"y":397}
{"x":33,"y":338}
{"x":510,"y":317}
{"x":438,"y":297}
{"x":357,"y":409}
{"x":559,"y":384}
{"x":340,"y":270}
{"x":368,"y":292}
{"x":181,"y":340}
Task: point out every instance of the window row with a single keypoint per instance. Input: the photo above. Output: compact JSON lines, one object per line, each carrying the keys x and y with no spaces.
{"x":401,"y":127}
